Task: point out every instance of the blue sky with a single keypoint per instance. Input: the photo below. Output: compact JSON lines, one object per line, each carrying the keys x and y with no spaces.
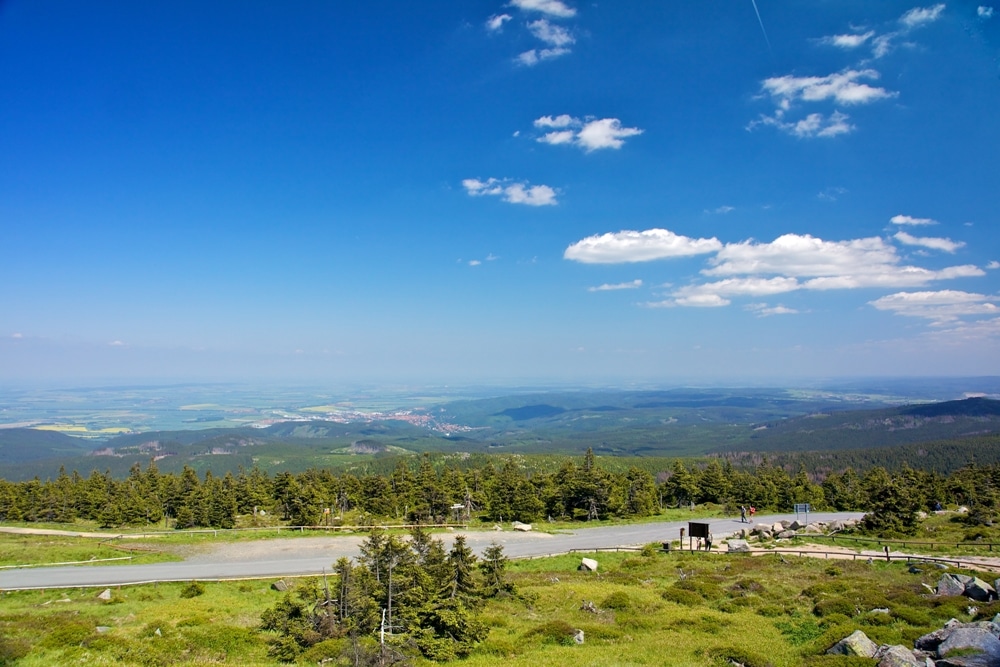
{"x":538,"y":190}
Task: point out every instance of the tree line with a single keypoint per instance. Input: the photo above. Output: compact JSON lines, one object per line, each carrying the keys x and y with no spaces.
{"x":501,"y":489}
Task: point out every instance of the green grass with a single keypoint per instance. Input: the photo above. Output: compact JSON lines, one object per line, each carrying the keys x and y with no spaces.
{"x":676,"y":609}
{"x":44,"y":549}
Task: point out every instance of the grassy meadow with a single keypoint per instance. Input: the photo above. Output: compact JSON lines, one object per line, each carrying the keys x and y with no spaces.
{"x":647,"y":609}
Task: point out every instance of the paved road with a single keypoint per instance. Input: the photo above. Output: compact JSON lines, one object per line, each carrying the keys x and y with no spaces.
{"x":313,"y":555}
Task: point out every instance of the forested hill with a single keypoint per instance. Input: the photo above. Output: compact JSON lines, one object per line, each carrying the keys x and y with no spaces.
{"x":18,"y":445}
{"x":876,"y":428}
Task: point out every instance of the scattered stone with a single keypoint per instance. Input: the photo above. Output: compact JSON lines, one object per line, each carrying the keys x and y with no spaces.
{"x":977,"y":639}
{"x":589,"y":607}
{"x":105,"y":595}
{"x":497,"y":527}
{"x":578,"y":637}
{"x":738,"y":546}
{"x":101,"y":629}
{"x":898,"y":656}
{"x":856,"y":643}
{"x":880,"y":610}
{"x":777,"y":527}
{"x":786,"y":534}
{"x":523,"y":527}
{"x":837,"y":526}
{"x":949,"y":584}
{"x":279,"y":586}
{"x":588,"y":564}
{"x":761,"y":528}
{"x":158,"y":633}
{"x":813,"y":528}
{"x":796,"y":525}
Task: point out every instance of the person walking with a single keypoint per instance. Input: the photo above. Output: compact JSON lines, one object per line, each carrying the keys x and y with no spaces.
{"x":708,"y":542}
{"x":743,"y":514}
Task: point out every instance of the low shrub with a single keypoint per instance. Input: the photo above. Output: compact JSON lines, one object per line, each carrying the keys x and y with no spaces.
{"x":681,"y":596}
{"x":556,"y":632}
{"x":193,"y":590}
{"x":619,"y":601}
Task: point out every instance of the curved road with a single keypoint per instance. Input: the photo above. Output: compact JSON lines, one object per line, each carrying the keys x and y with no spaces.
{"x":313,"y":555}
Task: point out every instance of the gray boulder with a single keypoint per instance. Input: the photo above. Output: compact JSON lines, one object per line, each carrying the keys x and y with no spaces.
{"x":898,"y":656}
{"x":949,"y":584}
{"x":523,"y":527}
{"x":979,"y":590}
{"x":975,"y":638}
{"x":738,"y":546}
{"x":814,"y":528}
{"x":777,"y":527}
{"x":786,"y":535}
{"x":578,"y":637}
{"x":762,"y":528}
{"x":588,"y":564}
{"x":279,"y":586}
{"x":836,"y":526}
{"x":856,"y":643}
{"x":104,"y":595}
{"x":796,"y":525}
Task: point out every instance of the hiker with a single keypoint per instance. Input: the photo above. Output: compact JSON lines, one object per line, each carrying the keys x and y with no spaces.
{"x":708,"y":542}
{"x":743,"y":514}
{"x":753,"y":510}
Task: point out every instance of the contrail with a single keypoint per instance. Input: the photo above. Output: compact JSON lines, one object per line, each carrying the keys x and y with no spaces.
{"x":757,"y":11}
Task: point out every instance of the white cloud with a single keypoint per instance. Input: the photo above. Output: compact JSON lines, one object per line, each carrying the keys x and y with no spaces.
{"x":532,"y":57}
{"x":993,"y":265}
{"x":116,"y":343}
{"x":842,"y":87}
{"x":559,"y":137}
{"x":495,"y":22}
{"x":940,"y":306}
{"x":763,"y":310}
{"x":813,"y":125}
{"x":721,"y":210}
{"x":609,"y":287}
{"x":491,"y":257}
{"x":550,"y":7}
{"x":474,"y":262}
{"x":551,"y":34}
{"x":590,"y":134}
{"x":850,"y":41}
{"x":701,"y":301}
{"x":17,"y":335}
{"x":633,"y":246}
{"x":802,"y":256}
{"x":511,"y":191}
{"x":565,"y":120}
{"x":946,"y":245}
{"x":984,"y":12}
{"x":919,"y":16}
{"x":909,"y":220}
{"x":741,"y":287}
{"x":604,"y":133}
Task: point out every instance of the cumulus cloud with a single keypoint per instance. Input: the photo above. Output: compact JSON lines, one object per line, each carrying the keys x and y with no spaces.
{"x":555,"y":8}
{"x":940,"y":306}
{"x":610,"y":287}
{"x":495,"y":22}
{"x":849,"y":41}
{"x":841,"y":87}
{"x":511,"y":191}
{"x":984,"y":12}
{"x":791,"y":262}
{"x":634,"y":246}
{"x":919,"y":16}
{"x":474,"y":262}
{"x":813,"y":125}
{"x":910,"y":220}
{"x":993,"y":265}
{"x":946,"y":245}
{"x":590,"y":134}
